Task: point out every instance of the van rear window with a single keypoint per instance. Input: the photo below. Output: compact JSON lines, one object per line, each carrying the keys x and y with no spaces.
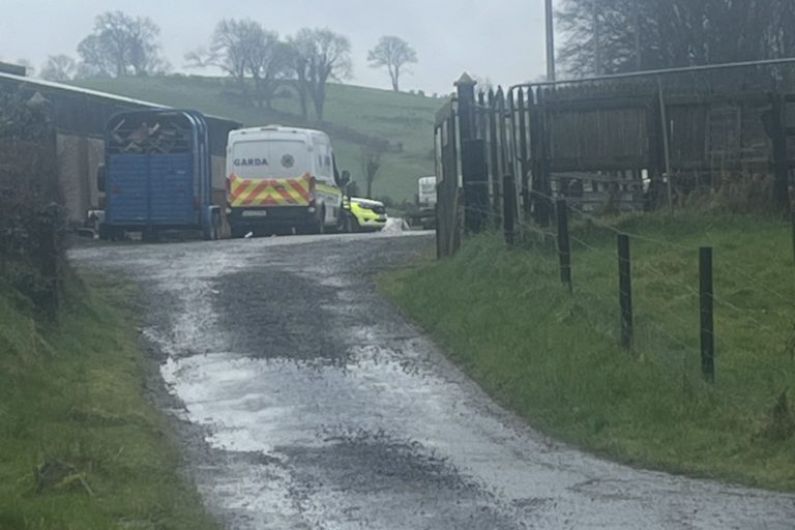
{"x":271,"y":159}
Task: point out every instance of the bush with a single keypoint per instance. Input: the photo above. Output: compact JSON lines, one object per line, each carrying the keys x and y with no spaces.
{"x":32,"y":224}
{"x":32,"y":249}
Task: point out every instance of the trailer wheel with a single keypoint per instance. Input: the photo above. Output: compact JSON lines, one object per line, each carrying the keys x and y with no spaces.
{"x":217,"y":226}
{"x":105,"y":232}
{"x":150,"y":235}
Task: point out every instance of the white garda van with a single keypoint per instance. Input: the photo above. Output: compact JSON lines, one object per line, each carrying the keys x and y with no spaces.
{"x":282,"y":179}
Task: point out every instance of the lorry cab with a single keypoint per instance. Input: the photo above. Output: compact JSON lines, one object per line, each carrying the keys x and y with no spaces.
{"x":280,"y":180}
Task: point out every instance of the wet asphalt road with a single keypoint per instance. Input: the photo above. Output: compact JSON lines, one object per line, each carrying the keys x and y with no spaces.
{"x":306,"y":401}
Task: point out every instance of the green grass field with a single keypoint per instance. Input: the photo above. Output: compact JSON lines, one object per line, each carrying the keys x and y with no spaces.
{"x":554,"y":358}
{"x":81,"y":448}
{"x":396,"y":117}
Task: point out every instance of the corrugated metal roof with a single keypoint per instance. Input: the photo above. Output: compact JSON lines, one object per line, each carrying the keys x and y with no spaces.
{"x":94,"y":93}
{"x":78,"y":90}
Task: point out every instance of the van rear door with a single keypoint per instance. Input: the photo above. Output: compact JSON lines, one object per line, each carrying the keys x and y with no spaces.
{"x":272,"y":172}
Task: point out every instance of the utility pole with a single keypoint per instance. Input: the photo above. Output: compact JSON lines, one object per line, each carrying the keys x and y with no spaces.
{"x":550,"y":17}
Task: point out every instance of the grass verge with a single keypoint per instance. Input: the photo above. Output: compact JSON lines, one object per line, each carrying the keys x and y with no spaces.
{"x":554,"y":358}
{"x":80,"y":446}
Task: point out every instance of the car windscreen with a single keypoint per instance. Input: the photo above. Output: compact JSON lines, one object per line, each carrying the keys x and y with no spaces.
{"x":271,"y":159}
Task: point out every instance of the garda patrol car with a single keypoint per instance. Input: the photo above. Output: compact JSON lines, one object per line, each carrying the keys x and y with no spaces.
{"x":366,"y":215}
{"x":282,"y":179}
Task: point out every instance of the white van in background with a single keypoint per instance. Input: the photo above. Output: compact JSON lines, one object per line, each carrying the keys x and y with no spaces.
{"x":424,"y":213}
{"x":282,"y":179}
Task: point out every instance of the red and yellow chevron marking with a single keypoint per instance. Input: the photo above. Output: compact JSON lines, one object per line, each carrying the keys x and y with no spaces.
{"x":244,"y":193}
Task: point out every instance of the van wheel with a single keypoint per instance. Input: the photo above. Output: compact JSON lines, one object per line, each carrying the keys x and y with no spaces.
{"x":320,"y":223}
{"x":238,"y":232}
{"x":347,"y":223}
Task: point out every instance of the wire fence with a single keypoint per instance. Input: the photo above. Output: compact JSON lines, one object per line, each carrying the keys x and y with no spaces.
{"x":676,"y":325}
{"x":571,"y":174}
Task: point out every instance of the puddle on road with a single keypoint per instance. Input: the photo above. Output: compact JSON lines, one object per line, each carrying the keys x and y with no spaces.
{"x":260,"y":404}
{"x":355,"y":437}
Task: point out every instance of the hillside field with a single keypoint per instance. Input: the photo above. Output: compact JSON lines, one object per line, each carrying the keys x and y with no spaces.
{"x":351,"y":113}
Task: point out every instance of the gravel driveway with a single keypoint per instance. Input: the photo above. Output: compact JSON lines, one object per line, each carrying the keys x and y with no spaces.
{"x":306,"y":401}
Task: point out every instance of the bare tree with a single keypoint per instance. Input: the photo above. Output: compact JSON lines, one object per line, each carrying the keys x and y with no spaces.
{"x":59,"y":68}
{"x":299,"y":52}
{"x":371,"y":155}
{"x":393,"y":53}
{"x":95,"y":61}
{"x":268,"y":65}
{"x":229,"y":49}
{"x":244,"y":49}
{"x":121,"y":45}
{"x":612,"y":36}
{"x":318,"y":56}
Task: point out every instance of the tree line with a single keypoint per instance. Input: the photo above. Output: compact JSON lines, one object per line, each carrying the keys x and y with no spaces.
{"x":616,"y":36}
{"x":257,"y":60}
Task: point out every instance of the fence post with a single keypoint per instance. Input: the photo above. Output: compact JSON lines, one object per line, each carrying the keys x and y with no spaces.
{"x":666,"y":143}
{"x":777,"y":132}
{"x":523,"y":153}
{"x":707,"y":314}
{"x":465,"y":87}
{"x":564,"y":244}
{"x":509,"y":205}
{"x":625,"y":291}
{"x":494,"y":159}
{"x":544,"y":215}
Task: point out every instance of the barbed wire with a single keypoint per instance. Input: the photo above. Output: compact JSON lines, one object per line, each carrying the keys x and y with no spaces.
{"x":679,"y":341}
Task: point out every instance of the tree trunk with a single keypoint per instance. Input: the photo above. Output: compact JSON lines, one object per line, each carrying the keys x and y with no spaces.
{"x":319,"y":99}
{"x":301,"y":89}
{"x":396,"y":79}
{"x":304,"y":109}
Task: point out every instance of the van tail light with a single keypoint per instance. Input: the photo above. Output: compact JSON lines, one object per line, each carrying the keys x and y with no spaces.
{"x":312,"y":191}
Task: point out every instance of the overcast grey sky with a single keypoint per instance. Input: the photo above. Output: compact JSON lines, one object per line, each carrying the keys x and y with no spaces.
{"x":502,"y":40}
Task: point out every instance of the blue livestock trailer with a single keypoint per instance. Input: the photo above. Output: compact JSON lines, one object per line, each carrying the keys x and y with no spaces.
{"x":158,"y":175}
